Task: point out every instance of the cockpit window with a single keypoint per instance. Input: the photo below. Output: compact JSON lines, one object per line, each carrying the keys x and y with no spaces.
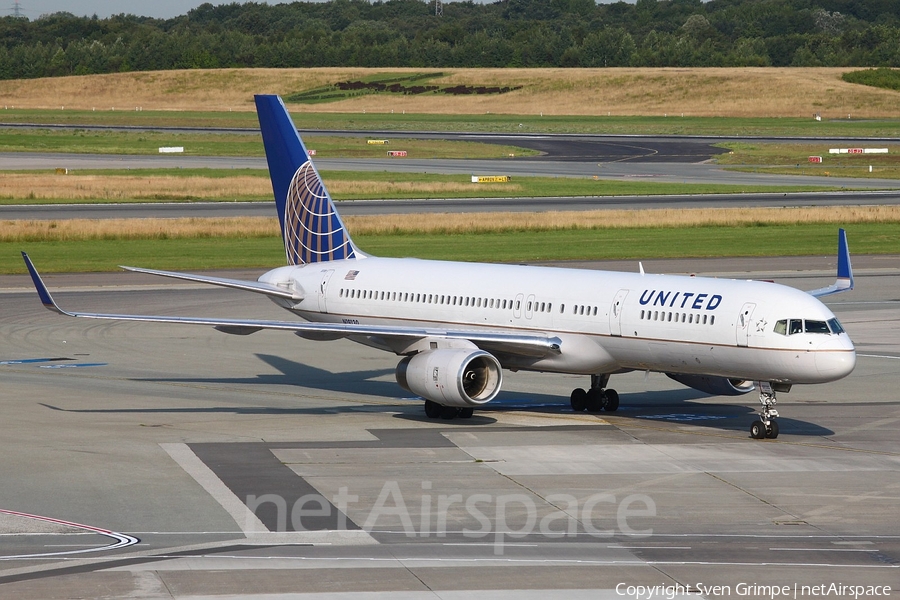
{"x":792,"y":326}
{"x":835,"y":326}
{"x":817,"y":327}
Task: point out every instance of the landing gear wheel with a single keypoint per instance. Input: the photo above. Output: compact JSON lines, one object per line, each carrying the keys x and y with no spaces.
{"x":449,"y":412}
{"x":466,"y":413}
{"x":612,"y":400}
{"x":578,"y":400}
{"x":596,"y":399}
{"x":767,"y":414}
{"x":758,"y":430}
{"x":432,"y":409}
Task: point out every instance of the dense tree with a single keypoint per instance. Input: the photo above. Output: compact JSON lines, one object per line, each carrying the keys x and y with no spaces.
{"x":509,"y":33}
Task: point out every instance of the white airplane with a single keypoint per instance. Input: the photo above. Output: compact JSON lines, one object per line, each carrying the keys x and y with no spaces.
{"x":457,"y":325}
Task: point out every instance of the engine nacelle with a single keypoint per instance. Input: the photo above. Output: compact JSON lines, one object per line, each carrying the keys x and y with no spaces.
{"x":717,"y":386}
{"x":460,"y":378}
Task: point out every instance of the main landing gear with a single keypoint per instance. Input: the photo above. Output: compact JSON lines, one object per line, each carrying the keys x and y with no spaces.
{"x":766,"y":426}
{"x":433,"y":410}
{"x":597,"y":398}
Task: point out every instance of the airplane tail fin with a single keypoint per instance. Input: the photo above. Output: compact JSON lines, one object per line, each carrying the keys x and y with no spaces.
{"x":311,"y":228}
{"x":844,"y":280}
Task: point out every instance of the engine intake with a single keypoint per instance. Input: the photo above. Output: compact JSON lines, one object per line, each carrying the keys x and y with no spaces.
{"x":460,"y":378}
{"x":717,"y":386}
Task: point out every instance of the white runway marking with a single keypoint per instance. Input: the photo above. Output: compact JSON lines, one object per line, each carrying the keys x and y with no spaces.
{"x":193,"y":466}
{"x":121,"y":540}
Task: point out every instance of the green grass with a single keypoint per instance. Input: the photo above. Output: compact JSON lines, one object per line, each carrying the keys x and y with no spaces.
{"x":882,"y":77}
{"x":86,"y":141}
{"x":760,"y":126}
{"x":793,"y":159}
{"x":512,"y":247}
{"x":388,"y":84}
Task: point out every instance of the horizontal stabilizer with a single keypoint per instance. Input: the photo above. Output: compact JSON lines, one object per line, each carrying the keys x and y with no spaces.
{"x":238,"y":284}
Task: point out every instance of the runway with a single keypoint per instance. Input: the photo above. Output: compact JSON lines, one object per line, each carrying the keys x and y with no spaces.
{"x":167,"y":210}
{"x":264,"y":465}
{"x":669,"y":168}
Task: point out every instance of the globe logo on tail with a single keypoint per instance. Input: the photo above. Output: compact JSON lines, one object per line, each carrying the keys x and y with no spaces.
{"x":313,"y":231}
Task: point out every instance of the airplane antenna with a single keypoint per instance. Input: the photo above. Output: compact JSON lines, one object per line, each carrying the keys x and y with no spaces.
{"x":641,"y":265}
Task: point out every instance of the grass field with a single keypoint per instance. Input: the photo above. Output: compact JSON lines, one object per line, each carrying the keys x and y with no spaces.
{"x":747,"y":101}
{"x":491,"y":122}
{"x":95,"y":187}
{"x":793,"y":159}
{"x":90,"y":245}
{"x":726,"y":92}
{"x":82,"y":141}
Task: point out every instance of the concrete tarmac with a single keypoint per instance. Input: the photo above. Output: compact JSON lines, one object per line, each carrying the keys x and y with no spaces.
{"x":157,"y":461}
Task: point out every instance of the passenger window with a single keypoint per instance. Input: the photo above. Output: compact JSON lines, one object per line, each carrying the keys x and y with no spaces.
{"x":816,"y":327}
{"x":704,"y":319}
{"x":595,"y":311}
{"x":796,"y":326}
{"x":543,"y":306}
{"x":781,"y":327}
{"x":712,"y":319}
{"x":518,"y":304}
{"x":562,"y":308}
{"x":835,"y":326}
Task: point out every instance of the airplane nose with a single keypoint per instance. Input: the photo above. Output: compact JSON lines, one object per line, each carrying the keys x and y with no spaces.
{"x":836,"y":358}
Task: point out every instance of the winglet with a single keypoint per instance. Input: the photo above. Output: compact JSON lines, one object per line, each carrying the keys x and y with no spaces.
{"x":844,"y":281}
{"x":46,"y":298}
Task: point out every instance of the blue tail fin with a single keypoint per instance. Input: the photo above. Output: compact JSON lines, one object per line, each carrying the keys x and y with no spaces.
{"x":310,"y":226}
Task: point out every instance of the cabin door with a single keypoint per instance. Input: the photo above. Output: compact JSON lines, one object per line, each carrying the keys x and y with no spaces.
{"x":323,"y":286}
{"x":743,"y":324}
{"x":615,"y":313}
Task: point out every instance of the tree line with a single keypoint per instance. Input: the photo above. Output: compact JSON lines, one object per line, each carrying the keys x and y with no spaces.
{"x":509,"y":33}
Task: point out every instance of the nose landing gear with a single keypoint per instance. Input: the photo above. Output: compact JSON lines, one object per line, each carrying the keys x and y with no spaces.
{"x":766,"y":426}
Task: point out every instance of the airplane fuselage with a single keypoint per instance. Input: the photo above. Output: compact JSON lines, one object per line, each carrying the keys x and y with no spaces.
{"x":606,"y":321}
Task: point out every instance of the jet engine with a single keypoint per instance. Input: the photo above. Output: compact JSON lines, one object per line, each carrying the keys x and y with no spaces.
{"x":717,"y":386}
{"x":461,"y":378}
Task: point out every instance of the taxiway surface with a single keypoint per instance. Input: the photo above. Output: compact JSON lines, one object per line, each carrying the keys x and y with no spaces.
{"x":171,"y":210}
{"x":668,"y":171}
{"x":217,"y":452}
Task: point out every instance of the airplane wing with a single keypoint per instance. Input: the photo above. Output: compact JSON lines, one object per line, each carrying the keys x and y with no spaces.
{"x":518,"y":344}
{"x":844,"y":281}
